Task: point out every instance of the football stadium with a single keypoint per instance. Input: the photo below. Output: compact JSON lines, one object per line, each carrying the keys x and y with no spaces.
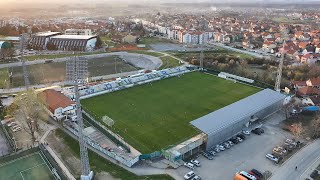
{"x":157,"y":115}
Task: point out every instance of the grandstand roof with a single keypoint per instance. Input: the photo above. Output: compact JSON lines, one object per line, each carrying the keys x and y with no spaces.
{"x":54,"y":99}
{"x":48,"y":33}
{"x":235,"y":112}
{"x":82,"y":37}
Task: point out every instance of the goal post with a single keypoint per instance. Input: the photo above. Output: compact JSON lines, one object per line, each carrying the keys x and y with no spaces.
{"x":107,"y":120}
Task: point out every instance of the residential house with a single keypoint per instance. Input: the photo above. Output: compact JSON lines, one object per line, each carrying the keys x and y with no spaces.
{"x":317,"y":49}
{"x":268,"y":46}
{"x":57,"y":103}
{"x":314,"y":82}
{"x":308,"y":91}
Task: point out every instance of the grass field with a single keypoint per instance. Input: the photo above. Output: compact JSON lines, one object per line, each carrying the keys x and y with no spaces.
{"x":154,"y":116}
{"x":30,"y":167}
{"x":153,"y":40}
{"x":168,"y":62}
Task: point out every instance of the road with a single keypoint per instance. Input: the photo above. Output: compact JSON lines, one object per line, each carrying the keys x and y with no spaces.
{"x":238,"y":50}
{"x":304,"y":159}
{"x":91,"y":56}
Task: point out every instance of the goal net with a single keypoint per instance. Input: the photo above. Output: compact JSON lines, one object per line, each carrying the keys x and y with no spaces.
{"x":108,"y":121}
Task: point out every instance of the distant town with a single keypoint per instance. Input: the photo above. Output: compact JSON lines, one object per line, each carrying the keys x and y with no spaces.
{"x":159,"y":90}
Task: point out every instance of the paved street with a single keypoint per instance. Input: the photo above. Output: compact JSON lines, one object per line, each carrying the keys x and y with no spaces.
{"x":238,"y":50}
{"x":303,"y":160}
{"x":126,"y":55}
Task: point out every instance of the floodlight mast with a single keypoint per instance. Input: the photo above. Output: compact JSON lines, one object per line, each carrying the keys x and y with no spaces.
{"x":76,"y":73}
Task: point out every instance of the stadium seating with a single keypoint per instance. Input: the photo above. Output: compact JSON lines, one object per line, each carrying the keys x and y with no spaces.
{"x":130,"y":81}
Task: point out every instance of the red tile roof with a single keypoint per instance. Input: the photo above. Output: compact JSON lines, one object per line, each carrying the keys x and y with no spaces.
{"x":55,"y":99}
{"x":315,"y":81}
{"x":300,"y":83}
{"x":308,"y":91}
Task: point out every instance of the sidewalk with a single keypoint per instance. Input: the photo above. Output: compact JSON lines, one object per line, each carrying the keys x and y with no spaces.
{"x":53,"y":154}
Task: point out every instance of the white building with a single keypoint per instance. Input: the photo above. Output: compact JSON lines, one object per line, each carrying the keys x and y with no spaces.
{"x":86,"y":32}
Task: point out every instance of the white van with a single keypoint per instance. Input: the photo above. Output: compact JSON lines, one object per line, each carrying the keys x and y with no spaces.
{"x":247,"y":175}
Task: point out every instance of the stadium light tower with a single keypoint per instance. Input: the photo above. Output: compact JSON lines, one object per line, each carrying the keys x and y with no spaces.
{"x":77,"y":70}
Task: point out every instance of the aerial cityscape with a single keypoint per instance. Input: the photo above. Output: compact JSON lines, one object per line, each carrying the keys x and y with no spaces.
{"x":159,"y":90}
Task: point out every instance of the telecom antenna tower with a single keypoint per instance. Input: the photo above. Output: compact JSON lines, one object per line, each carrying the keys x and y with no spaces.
{"x":77,"y":70}
{"x":24,"y":67}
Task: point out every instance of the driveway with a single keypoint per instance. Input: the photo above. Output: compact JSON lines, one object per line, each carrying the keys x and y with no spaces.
{"x":244,"y":156}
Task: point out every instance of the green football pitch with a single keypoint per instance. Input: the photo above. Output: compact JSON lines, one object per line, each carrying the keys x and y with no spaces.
{"x":153,"y":116}
{"x":30,"y":167}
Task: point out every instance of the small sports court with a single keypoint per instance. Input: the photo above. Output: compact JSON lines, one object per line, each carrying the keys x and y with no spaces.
{"x":34,"y":166}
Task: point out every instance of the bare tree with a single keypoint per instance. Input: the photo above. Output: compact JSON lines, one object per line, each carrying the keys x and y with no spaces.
{"x":297,"y":129}
{"x":315,"y":127}
{"x":287,"y":107}
{"x":30,"y":107}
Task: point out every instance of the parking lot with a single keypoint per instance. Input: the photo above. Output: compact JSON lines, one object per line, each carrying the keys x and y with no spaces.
{"x":245,"y":156}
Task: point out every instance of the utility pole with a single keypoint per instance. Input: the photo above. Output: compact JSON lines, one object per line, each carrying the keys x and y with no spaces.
{"x":77,"y":70}
{"x":201,"y":55}
{"x":25,"y":71}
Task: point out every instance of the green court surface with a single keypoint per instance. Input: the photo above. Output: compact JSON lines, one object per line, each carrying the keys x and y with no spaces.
{"x":30,"y":167}
{"x":154,"y":116}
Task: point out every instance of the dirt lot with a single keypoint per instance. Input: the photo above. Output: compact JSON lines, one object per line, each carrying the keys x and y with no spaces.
{"x":71,"y":161}
{"x":244,"y":156}
{"x":54,"y":72}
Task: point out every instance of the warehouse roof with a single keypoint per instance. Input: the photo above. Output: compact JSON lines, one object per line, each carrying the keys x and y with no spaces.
{"x":82,"y":37}
{"x":48,"y":33}
{"x":235,"y":112}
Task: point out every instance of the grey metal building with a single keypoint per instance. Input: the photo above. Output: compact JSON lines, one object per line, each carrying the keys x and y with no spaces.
{"x":232,"y":119}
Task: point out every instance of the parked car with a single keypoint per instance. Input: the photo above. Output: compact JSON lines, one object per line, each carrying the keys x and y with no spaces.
{"x":247,"y":175}
{"x":246,"y":132}
{"x":12,"y":124}
{"x":272,"y":158}
{"x":226,"y":145}
{"x":212,"y":152}
{"x":239,"y":139}
{"x":291,"y":141}
{"x":234,"y":140}
{"x":230,"y":143}
{"x":207,"y":156}
{"x":195,"y":162}
{"x":242,"y":136}
{"x":189,"y":175}
{"x":217,"y":149}
{"x":197,"y":177}
{"x":256,"y":173}
{"x":17,"y":129}
{"x":279,"y":150}
{"x":314,"y":174}
{"x":256,"y":131}
{"x":261,"y":130}
{"x":189,"y":165}
{"x":221,"y":147}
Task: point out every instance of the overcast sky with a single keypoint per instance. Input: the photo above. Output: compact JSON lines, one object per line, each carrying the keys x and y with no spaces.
{"x":20,"y":2}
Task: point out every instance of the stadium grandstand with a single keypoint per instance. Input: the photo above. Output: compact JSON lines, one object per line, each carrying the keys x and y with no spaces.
{"x":58,"y":41}
{"x":73,"y":42}
{"x":40,"y":40}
